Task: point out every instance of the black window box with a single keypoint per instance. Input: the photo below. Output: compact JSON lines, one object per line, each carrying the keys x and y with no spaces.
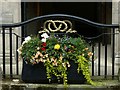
{"x":37,"y":74}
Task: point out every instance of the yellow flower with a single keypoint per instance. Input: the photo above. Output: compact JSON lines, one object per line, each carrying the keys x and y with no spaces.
{"x":57,"y":47}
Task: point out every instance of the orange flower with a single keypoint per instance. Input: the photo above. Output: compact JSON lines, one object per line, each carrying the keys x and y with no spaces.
{"x":90,"y":54}
{"x":40,"y":54}
{"x":61,"y":57}
{"x":36,"y":56}
{"x":86,"y":48}
{"x":55,"y":63}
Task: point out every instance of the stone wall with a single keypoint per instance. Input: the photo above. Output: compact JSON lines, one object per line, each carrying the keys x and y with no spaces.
{"x":10,"y":12}
{"x":116,"y":20}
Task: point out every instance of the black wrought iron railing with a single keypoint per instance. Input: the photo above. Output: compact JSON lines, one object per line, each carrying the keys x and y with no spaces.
{"x":7,"y":56}
{"x":105,"y":72}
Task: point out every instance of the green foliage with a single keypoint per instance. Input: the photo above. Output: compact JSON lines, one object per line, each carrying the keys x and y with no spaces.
{"x":30,"y":48}
{"x":56,"y":53}
{"x":83,"y":65}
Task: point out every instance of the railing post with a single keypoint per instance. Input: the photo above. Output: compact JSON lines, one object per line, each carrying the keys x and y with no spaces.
{"x":3,"y":40}
{"x":105,"y":60}
{"x":93,"y":60}
{"x":17,"y":69}
{"x":10,"y":52}
{"x":99,"y":55}
{"x":113,"y":52}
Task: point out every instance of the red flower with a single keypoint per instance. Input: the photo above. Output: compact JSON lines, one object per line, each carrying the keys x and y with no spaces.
{"x":44,"y":44}
{"x":43,"y":49}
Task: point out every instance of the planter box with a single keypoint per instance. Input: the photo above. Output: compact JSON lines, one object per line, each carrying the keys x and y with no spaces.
{"x":37,"y":74}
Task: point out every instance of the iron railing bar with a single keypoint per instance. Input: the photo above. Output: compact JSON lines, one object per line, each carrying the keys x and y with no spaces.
{"x":113,"y":52}
{"x":100,"y":35}
{"x":10,"y":35}
{"x":99,"y":51}
{"x":3,"y":37}
{"x":62,"y":16}
{"x":14,"y":34}
{"x":105,"y":60}
{"x":17,"y":66}
{"x":77,"y":34}
{"x":93,"y":60}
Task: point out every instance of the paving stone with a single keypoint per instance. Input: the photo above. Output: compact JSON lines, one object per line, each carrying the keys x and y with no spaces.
{"x":101,"y":84}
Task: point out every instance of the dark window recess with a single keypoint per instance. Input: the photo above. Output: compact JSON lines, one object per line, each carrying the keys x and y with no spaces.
{"x":95,"y":11}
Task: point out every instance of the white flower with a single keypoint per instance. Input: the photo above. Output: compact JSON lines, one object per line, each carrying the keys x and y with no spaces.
{"x":15,"y":80}
{"x":45,"y":35}
{"x":68,"y":65}
{"x":24,"y":42}
{"x":38,"y":48}
{"x":43,"y":40}
{"x":28,"y":38}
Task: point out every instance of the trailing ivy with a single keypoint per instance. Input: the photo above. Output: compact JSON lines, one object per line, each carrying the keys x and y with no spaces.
{"x":83,"y":65}
{"x":60,"y":71}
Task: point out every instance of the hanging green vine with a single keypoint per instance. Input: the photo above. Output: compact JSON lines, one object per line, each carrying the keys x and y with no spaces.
{"x":60,"y":70}
{"x":83,"y":65}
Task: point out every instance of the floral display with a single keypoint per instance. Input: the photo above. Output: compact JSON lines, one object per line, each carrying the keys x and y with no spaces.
{"x":56,"y":53}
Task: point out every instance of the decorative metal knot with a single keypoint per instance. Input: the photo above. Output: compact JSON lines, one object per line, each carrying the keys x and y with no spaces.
{"x":51,"y":26}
